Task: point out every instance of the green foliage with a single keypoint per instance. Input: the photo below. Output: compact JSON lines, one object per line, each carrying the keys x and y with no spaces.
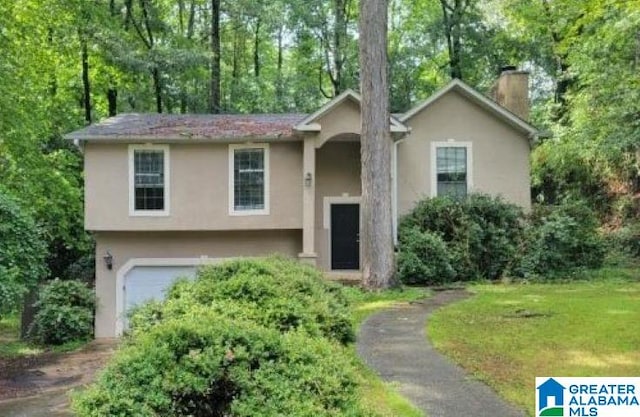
{"x":217,"y":365}
{"x":626,"y":240}
{"x":423,"y":258}
{"x":274,"y":292}
{"x":560,"y":239}
{"x":22,"y":253}
{"x":562,"y":169}
{"x":496,"y":232}
{"x":246,"y":338}
{"x":444,"y":239}
{"x":65,"y":313}
{"x":82,"y":269}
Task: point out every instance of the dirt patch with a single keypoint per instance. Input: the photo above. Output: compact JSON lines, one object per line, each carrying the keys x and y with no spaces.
{"x":49,"y":373}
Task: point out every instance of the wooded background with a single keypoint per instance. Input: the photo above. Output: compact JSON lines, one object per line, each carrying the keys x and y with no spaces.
{"x":66,"y":63}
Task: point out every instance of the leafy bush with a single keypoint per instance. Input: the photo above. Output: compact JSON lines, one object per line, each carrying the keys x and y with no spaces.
{"x":627,"y":240}
{"x":423,"y":258}
{"x":253,"y":337}
{"x":497,"y":229}
{"x":82,"y":269}
{"x":22,"y":253}
{"x":444,"y":239}
{"x":65,"y":313}
{"x":560,"y":239}
{"x":274,"y":292}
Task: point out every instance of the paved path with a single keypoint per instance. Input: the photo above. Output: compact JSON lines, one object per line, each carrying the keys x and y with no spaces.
{"x":394,"y":343}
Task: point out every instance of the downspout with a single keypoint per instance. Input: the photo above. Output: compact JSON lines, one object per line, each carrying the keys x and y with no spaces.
{"x":394,"y":189}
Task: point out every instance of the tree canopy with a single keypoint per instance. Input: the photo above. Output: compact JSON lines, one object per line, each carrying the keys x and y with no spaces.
{"x":65,"y":63}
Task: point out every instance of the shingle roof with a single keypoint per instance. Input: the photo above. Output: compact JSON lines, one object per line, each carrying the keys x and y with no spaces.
{"x":191,"y":126}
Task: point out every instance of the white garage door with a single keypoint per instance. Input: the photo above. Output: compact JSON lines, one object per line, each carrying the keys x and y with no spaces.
{"x":144,"y":283}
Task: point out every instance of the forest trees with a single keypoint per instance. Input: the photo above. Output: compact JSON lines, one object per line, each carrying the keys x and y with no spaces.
{"x":64,"y":63}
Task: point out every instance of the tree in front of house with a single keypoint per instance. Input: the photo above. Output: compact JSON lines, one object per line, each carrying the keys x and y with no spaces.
{"x":377,"y":236}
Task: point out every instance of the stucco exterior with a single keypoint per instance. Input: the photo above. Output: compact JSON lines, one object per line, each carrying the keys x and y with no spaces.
{"x":310,"y":165}
{"x":500,"y":153}
{"x":187,"y":247}
{"x":199,"y":185}
{"x":338,"y":179}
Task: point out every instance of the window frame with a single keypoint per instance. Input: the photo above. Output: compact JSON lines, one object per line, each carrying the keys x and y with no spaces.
{"x":451,"y":143}
{"x":232,"y":180}
{"x":133,"y":212}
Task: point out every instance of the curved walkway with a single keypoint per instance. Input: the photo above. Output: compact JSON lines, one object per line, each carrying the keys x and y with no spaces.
{"x":394,"y":343}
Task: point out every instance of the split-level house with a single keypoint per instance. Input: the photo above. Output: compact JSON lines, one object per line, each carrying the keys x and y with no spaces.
{"x":167,"y":193}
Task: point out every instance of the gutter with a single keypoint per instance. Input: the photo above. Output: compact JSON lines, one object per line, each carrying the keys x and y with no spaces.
{"x":78,"y":140}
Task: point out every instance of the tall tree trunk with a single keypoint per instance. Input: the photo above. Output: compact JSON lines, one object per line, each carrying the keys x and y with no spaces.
{"x":112,"y":100}
{"x":112,"y":91}
{"x":376,"y":235}
{"x":452,"y":20}
{"x":53,"y":82}
{"x":28,"y":312}
{"x":157,"y":88}
{"x":339,"y":36}
{"x":256,"y":50}
{"x":214,"y":106}
{"x":279,"y":80}
{"x":85,"y":78}
{"x":184,"y":94}
{"x":238,"y":43}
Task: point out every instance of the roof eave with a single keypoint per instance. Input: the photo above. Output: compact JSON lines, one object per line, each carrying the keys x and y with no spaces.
{"x":178,"y":139}
{"x":485,"y":102}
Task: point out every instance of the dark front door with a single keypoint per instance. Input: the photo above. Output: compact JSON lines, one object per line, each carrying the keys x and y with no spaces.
{"x":345,"y":236}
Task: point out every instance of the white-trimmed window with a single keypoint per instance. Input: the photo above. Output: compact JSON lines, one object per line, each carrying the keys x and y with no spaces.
{"x":249,"y":179}
{"x":451,"y":169}
{"x":149,"y":180}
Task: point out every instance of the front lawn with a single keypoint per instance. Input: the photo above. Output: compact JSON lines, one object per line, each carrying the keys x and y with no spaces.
{"x":506,"y":335}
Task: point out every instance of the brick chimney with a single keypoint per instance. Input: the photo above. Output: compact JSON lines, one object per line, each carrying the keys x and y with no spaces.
{"x":511,"y":91}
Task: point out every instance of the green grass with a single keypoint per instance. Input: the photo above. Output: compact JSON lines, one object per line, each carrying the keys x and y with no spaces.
{"x":10,"y":344}
{"x":508,"y":334}
{"x":366,"y":303}
{"x":377,"y":395}
{"x":11,"y":347}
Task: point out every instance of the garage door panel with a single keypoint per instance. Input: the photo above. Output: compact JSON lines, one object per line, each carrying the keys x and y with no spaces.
{"x":145,"y":283}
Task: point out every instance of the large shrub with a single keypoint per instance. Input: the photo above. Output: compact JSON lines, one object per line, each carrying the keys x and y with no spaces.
{"x":560,"y":239}
{"x":496,"y":233}
{"x":423,"y":257}
{"x":212,"y":365}
{"x":274,"y":292}
{"x":22,"y":253}
{"x":444,"y":239}
{"x":64,"y":313}
{"x":246,"y":338}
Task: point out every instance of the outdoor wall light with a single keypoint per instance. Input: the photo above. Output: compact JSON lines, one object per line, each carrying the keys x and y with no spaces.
{"x":308,"y":179}
{"x":108,"y":260}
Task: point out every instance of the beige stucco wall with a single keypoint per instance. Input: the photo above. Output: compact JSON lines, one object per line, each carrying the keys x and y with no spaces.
{"x":342,"y":120}
{"x":337,"y":175}
{"x":199,"y":184}
{"x":125,"y":246}
{"x":500,"y":156}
